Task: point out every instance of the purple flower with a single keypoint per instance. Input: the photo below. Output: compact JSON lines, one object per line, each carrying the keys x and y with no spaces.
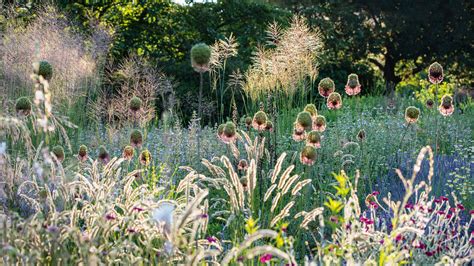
{"x":265,"y":258}
{"x":211,"y":239}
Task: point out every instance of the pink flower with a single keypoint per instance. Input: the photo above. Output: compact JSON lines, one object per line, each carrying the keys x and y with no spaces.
{"x":110,"y":216}
{"x":409,"y":206}
{"x":375,"y":193}
{"x":138,"y":209}
{"x":471,"y":212}
{"x":429,"y":253}
{"x":399,"y":238}
{"x":211,"y":239}
{"x":443,"y":198}
{"x":265,"y":258}
{"x":460,"y":206}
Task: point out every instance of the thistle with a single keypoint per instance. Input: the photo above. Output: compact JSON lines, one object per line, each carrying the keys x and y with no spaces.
{"x":326,"y":87}
{"x":412,"y":114}
{"x":23,"y":106}
{"x":145,"y":157}
{"x":446,"y":107}
{"x":136,"y":138}
{"x":44,"y":69}
{"x":58,"y":151}
{"x":135,"y":104}
{"x":227,"y":133}
{"x":334,"y":101}
{"x":128,"y":152}
{"x":311,"y":108}
{"x":82,"y":154}
{"x":352,"y":86}
{"x":319,"y":123}
{"x":304,"y":121}
{"x":314,"y":139}
{"x":308,"y":155}
{"x":103,"y":156}
{"x":435,"y":73}
{"x":259,"y":121}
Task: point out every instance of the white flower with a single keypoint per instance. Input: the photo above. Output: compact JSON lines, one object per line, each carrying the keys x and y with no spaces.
{"x":164,"y":215}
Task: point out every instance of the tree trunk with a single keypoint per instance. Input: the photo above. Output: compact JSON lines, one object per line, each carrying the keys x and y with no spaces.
{"x":391,"y":80}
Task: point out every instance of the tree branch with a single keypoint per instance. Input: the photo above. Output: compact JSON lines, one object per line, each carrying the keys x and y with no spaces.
{"x":377,"y":63}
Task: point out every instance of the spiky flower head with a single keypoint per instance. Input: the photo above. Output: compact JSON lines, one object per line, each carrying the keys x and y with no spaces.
{"x":314,"y":139}
{"x":228,"y":132}
{"x":23,"y":106}
{"x":308,"y":155}
{"x":304,"y":121}
{"x":352,"y":86}
{"x":145,"y":157}
{"x":259,"y":121}
{"x":412,"y":114}
{"x":429,"y":103}
{"x":136,"y":138}
{"x":243,"y":164}
{"x":58,"y":151}
{"x":269,"y":126}
{"x":299,"y":134}
{"x":103,"y":156}
{"x":311,"y":108}
{"x":44,"y":69}
{"x":128,"y":152}
{"x":361,"y":135}
{"x":200,"y":57}
{"x":326,"y":86}
{"x":319,"y":123}
{"x":446,"y":107}
{"x":135,"y":104}
{"x":334,"y":101}
{"x":82,"y":154}
{"x":435,"y":73}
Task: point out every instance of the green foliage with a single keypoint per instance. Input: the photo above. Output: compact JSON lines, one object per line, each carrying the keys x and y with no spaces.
{"x":44,"y":69}
{"x":23,"y":104}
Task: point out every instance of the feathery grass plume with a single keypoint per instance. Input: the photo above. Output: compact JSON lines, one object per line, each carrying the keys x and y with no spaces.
{"x":446,"y":108}
{"x":285,"y":212}
{"x":228,"y":134}
{"x":303,"y":121}
{"x":298,"y":134}
{"x":145,"y":157}
{"x":44,"y":69}
{"x":243,"y":165}
{"x":319,"y":123}
{"x":326,"y":86}
{"x":136,"y":138}
{"x":104,"y":156}
{"x":135,"y":104}
{"x":334,"y":101}
{"x":128,"y":152}
{"x":352,"y":86}
{"x":314,"y":139}
{"x":259,"y":121}
{"x":308,"y":155}
{"x":200,"y":57}
{"x":309,"y":216}
{"x":412,"y":114}
{"x":311,"y":108}
{"x":429,"y":103}
{"x":435,"y":73}
{"x":23,"y":106}
{"x":361,"y":135}
{"x":82,"y":154}
{"x":299,"y":186}
{"x":58,"y":151}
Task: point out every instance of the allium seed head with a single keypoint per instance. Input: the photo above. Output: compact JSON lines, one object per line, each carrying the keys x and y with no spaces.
{"x":320,"y":123}
{"x":352,"y":86}
{"x":259,"y":121}
{"x":326,"y":86}
{"x":248,"y":121}
{"x":308,"y":155}
{"x":446,"y":107}
{"x":299,"y":134}
{"x":412,"y":114}
{"x":229,"y":133}
{"x":44,"y":69}
{"x":23,"y":106}
{"x":429,"y":103}
{"x":58,"y":151}
{"x":435,"y":73}
{"x":243,"y":165}
{"x":304,"y":121}
{"x":314,"y":139}
{"x":334,"y":101}
{"x":128,"y":152}
{"x":103,"y":156}
{"x":136,"y":138}
{"x":135,"y":104}
{"x":145,"y":157}
{"x":200,"y":57}
{"x":311,"y":108}
{"x":269,"y":126}
{"x":82,"y":154}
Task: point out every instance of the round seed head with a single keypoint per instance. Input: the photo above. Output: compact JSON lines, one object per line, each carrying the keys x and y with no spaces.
{"x":44,"y":69}
{"x":135,"y":104}
{"x":334,"y":101}
{"x":319,"y":123}
{"x":58,"y":151}
{"x":311,"y":108}
{"x":412,"y":114}
{"x":435,"y":73}
{"x":314,"y":139}
{"x":200,"y":57}
{"x":128,"y":152}
{"x":259,"y":121}
{"x":243,"y":165}
{"x":361,"y":135}
{"x":145,"y":157}
{"x":136,"y":138}
{"x":304,"y":120}
{"x":269,"y":126}
{"x":446,"y":107}
{"x":82,"y":153}
{"x":429,"y":103}
{"x":23,"y":106}
{"x":308,"y":155}
{"x":326,"y":86}
{"x":103,"y":156}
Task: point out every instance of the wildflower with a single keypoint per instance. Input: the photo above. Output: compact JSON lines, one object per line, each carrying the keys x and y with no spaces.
{"x":243,"y":165}
{"x":304,"y":121}
{"x":110,"y":217}
{"x":44,"y":69}
{"x":429,"y":253}
{"x":131,"y":230}
{"x":135,"y":104}
{"x":200,"y":57}
{"x":435,"y":73}
{"x":269,"y":126}
{"x":471,"y":212}
{"x":58,"y":151}
{"x":311,"y":109}
{"x":104,"y":156}
{"x":409,"y":206}
{"x":334,"y":101}
{"x":227,"y":132}
{"x":145,"y":157}
{"x":446,"y":107}
{"x":443,"y":198}
{"x":23,"y":106}
{"x":352,"y":86}
{"x":265,"y":258}
{"x":460,"y":206}
{"x":326,"y":87}
{"x":375,"y":193}
{"x":398,"y":238}
{"x":361,"y":135}
{"x":211,"y":239}
{"x":299,"y":134}
{"x":136,"y":138}
{"x":429,"y":103}
{"x":137,"y":209}
{"x":164,"y":215}
{"x":412,"y":114}
{"x":128,"y":152}
{"x":82,"y":154}
{"x":314,"y":139}
{"x":308,"y":155}
{"x":259,"y":121}
{"x":320,"y":123}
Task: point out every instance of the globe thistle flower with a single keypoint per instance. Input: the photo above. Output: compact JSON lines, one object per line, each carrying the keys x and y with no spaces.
{"x":44,"y":69}
{"x":145,"y":157}
{"x":243,"y":165}
{"x":136,"y":138}
{"x":304,"y":121}
{"x":103,"y":156}
{"x":326,"y":87}
{"x":200,"y":57}
{"x":229,"y":133}
{"x":135,"y":104}
{"x":58,"y":151}
{"x":269,"y":126}
{"x":311,"y":109}
{"x":412,"y":114}
{"x":82,"y":154}
{"x":299,"y":134}
{"x":352,"y":86}
{"x":23,"y":106}
{"x":319,"y":123}
{"x":259,"y":121}
{"x":334,"y":101}
{"x":435,"y":73}
{"x":361,"y":135}
{"x":314,"y":139}
{"x":429,"y":103}
{"x":128,"y":152}
{"x":308,"y":155}
{"x":446,"y":107}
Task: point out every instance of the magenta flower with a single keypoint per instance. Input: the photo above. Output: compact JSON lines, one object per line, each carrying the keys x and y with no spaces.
{"x":265,"y":258}
{"x":460,"y":206}
{"x":211,"y":239}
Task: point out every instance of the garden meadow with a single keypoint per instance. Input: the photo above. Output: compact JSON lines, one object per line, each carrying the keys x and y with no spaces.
{"x":286,"y":169}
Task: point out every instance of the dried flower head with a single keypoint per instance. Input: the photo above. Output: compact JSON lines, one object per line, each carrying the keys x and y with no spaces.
{"x":259,"y":121}
{"x":308,"y":155}
{"x":58,"y":151}
{"x":429,"y":103}
{"x":103,"y":156}
{"x":304,"y":121}
{"x":412,"y":114}
{"x":135,"y":104}
{"x":435,"y":73}
{"x":44,"y":69}
{"x":128,"y":152}
{"x":446,"y":107}
{"x":243,"y":165}
{"x":136,"y":138}
{"x":311,"y":108}
{"x":227,"y":133}
{"x":314,"y":139}
{"x":326,"y":86}
{"x":352,"y":86}
{"x":269,"y":126}
{"x":361,"y":135}
{"x":319,"y":123}
{"x":334,"y":101}
{"x":200,"y":57}
{"x":299,"y":134}
{"x":82,"y":154}
{"x":145,"y":157}
{"x":23,"y":106}
{"x":248,"y":121}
